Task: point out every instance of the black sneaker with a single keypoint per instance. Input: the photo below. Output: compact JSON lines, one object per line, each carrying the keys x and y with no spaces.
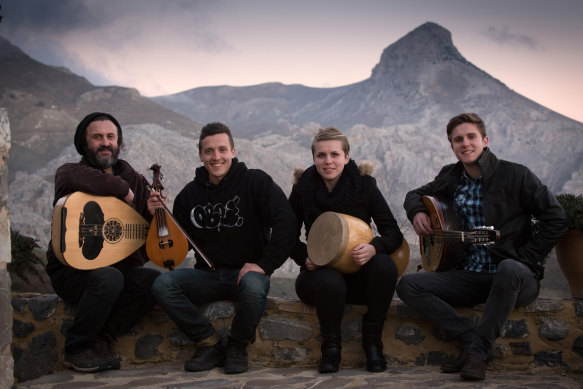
{"x":104,"y":348}
{"x":205,"y":358}
{"x":474,"y":369}
{"x":455,"y":365}
{"x":236,"y":359}
{"x":88,"y":361}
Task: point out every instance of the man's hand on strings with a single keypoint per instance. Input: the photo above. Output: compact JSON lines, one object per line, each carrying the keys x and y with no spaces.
{"x":154,"y":201}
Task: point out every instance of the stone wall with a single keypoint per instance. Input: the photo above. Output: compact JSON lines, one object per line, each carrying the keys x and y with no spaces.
{"x":546,"y":333}
{"x":6,"y":361}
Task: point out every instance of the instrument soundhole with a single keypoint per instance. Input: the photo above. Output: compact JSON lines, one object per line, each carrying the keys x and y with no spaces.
{"x":113,"y":230}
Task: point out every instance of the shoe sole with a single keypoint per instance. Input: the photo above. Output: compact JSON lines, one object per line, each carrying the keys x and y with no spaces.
{"x":219,"y":363}
{"x":470,"y":377}
{"x":450,"y":371}
{"x":92,"y":369}
{"x":236,"y":371}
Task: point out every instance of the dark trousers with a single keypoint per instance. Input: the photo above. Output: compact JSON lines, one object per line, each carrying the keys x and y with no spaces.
{"x":328,"y":289}
{"x":435,"y":294}
{"x":107,"y":300}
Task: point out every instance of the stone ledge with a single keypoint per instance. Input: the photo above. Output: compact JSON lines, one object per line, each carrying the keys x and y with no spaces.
{"x":546,"y":333}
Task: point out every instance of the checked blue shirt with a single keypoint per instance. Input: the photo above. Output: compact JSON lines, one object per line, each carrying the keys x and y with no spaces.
{"x":468,"y":202}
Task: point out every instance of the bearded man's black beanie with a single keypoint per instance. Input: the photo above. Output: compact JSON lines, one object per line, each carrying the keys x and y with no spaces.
{"x":82,"y":128}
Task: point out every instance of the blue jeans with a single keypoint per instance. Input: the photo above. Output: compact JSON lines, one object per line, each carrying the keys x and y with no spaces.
{"x":434,"y":294}
{"x":180,"y":292}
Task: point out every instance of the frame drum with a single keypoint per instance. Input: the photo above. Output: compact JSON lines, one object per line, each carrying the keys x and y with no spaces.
{"x":334,"y":235}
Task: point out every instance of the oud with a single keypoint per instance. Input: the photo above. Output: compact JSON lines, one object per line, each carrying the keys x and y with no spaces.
{"x":166,"y":245}
{"x":90,"y":232}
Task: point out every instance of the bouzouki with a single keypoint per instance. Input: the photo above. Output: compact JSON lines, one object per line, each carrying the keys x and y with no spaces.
{"x":166,"y":245}
{"x":90,"y":232}
{"x":440,"y":251}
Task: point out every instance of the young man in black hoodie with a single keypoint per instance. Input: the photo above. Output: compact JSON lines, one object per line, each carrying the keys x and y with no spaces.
{"x":109,"y":300}
{"x":241,"y":221}
{"x":483,"y":191}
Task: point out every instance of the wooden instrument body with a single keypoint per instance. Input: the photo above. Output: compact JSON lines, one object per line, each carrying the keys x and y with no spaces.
{"x":334,"y":235}
{"x":443,"y":250}
{"x":166,"y":244}
{"x":90,"y":232}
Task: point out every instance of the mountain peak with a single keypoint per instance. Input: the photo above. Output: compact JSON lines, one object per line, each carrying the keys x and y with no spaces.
{"x":428,"y":43}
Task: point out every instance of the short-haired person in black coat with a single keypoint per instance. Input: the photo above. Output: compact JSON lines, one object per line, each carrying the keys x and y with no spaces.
{"x":335,"y":183}
{"x":241,"y":221}
{"x":483,"y":191}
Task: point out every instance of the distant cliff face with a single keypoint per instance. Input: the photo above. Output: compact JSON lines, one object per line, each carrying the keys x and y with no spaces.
{"x":420,"y":82}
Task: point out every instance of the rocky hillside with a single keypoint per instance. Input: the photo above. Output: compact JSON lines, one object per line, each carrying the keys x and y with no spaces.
{"x":45,"y":103}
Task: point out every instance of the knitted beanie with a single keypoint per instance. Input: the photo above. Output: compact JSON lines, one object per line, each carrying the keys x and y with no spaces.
{"x":80,"y":141}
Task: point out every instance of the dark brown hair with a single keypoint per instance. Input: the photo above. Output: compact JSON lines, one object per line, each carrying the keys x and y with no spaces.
{"x":467,"y":117}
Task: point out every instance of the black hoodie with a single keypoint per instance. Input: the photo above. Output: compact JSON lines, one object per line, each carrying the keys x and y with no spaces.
{"x":245,"y":218}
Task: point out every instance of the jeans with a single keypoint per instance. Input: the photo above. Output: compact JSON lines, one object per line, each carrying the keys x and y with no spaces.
{"x":108,"y":301}
{"x":181,"y":291}
{"x":328,"y":289}
{"x":434,"y":294}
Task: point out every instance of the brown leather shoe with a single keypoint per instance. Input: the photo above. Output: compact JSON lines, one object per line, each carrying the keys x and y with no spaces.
{"x":474,"y":369}
{"x":455,"y":365}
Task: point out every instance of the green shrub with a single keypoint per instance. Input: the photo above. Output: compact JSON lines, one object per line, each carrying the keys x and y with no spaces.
{"x":573,"y":206}
{"x":24,"y":258}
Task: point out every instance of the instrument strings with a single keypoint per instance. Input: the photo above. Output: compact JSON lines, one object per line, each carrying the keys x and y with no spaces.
{"x":453,"y":235}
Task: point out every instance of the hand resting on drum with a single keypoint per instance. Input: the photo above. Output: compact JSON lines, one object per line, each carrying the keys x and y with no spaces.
{"x":362,"y":253}
{"x":310,"y":265}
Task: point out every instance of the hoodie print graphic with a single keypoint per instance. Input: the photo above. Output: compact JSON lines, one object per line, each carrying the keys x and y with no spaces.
{"x":214,"y":216}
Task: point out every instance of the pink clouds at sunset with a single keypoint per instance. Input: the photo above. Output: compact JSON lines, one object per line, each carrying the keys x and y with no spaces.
{"x":162,"y":47}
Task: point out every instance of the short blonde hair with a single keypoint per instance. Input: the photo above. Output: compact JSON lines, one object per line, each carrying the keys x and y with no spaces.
{"x":331,"y":133}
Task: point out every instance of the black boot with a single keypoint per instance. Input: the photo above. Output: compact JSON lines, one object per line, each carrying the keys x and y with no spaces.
{"x":372,"y":335}
{"x":331,"y":353}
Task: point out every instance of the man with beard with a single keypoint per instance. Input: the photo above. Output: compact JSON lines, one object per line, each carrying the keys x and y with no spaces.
{"x":109,"y":300}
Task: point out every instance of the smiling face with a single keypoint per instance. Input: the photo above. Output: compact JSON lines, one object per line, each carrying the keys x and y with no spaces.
{"x":102,"y":144}
{"x":217,"y":155}
{"x":468,"y":144}
{"x":330,"y":160}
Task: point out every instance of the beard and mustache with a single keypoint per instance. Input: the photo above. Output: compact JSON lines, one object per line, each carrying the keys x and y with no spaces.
{"x":103,"y":162}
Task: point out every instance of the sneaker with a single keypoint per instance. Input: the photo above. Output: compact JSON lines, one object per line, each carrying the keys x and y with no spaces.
{"x":88,"y":361}
{"x":474,"y":369}
{"x":456,"y":365}
{"x":207,"y":357}
{"x":104,"y":348}
{"x":236,"y":359}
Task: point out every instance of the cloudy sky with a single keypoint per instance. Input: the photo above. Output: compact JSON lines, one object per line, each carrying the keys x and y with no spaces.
{"x":166,"y":46}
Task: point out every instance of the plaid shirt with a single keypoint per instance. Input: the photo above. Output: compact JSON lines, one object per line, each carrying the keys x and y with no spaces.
{"x":468,"y":202}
